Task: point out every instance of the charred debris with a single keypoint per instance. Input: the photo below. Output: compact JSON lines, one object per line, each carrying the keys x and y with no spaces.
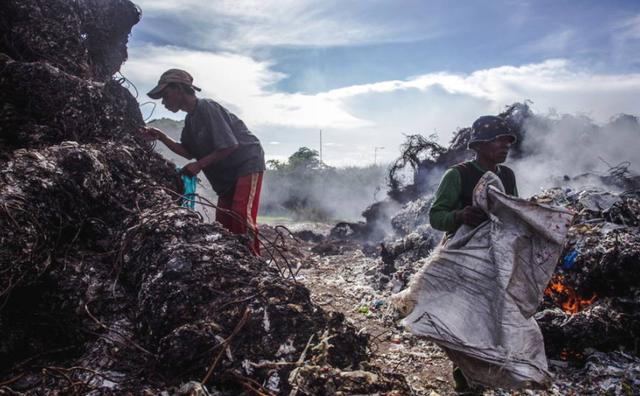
{"x":590,"y":315}
{"x":107,"y":285}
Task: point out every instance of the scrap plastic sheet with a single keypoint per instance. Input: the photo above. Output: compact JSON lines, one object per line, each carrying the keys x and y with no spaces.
{"x":477,"y":293}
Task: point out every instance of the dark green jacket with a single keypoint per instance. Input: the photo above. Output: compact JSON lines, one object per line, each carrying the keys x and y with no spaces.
{"x":455,"y":190}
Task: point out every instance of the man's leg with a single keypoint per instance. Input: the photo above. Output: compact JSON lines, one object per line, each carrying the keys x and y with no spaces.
{"x":224,"y":204}
{"x":246,"y":199}
{"x":461,"y":386}
{"x":254,"y":212}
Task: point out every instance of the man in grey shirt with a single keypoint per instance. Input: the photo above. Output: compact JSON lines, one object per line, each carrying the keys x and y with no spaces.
{"x":229,"y":154}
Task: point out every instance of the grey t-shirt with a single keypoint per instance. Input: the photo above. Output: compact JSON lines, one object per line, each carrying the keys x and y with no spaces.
{"x":211,"y":127}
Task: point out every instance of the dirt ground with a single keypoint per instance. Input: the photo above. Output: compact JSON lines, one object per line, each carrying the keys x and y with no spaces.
{"x":340,"y":283}
{"x":334,"y":285}
{"x":343,"y":282}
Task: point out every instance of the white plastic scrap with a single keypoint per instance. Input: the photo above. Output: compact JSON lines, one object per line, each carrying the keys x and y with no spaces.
{"x":247,"y":365}
{"x":193,"y":388}
{"x":286,"y":348}
{"x":265,"y":321}
{"x":212,"y":237}
{"x":273,"y":384}
{"x":227,"y":349}
{"x":597,"y":201}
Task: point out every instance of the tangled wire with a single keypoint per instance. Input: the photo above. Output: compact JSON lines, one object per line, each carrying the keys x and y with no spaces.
{"x":417,"y":151}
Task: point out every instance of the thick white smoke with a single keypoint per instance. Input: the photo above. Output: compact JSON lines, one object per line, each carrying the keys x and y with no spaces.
{"x":557,"y":146}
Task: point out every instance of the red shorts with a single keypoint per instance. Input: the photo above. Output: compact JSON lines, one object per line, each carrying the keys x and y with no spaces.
{"x":244,"y":204}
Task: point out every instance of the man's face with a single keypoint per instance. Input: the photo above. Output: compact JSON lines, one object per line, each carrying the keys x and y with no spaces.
{"x":495,"y":150}
{"x":172,"y":98}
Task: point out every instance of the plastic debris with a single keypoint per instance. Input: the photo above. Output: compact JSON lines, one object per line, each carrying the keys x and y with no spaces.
{"x":189,"y":195}
{"x":569,"y":260}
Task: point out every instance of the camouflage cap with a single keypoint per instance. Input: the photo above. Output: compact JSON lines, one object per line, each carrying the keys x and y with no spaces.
{"x":171,"y":76}
{"x":487,"y":128}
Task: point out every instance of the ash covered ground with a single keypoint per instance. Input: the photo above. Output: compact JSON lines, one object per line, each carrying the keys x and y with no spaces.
{"x":590,"y":311}
{"x":109,"y":287}
{"x":591,"y":337}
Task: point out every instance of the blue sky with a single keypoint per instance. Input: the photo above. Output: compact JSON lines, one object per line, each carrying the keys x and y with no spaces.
{"x":367,"y":72}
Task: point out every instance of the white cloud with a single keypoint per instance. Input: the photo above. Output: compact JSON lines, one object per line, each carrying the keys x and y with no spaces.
{"x":553,"y":83}
{"x":241,"y":83}
{"x":239,"y":25}
{"x":361,"y":117}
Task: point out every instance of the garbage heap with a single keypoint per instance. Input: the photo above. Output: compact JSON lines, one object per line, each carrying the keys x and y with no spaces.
{"x":591,"y":310}
{"x":590,"y":316}
{"x":107,"y":285}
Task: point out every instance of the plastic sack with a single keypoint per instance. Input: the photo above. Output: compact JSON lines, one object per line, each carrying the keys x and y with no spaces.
{"x":476,"y":294}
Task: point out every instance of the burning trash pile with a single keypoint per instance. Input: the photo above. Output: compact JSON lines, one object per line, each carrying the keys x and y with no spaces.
{"x":590,"y":315}
{"x":591,"y":310}
{"x":107,"y":285}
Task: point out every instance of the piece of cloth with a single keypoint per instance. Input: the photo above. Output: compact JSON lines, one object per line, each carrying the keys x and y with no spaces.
{"x":476,"y":295}
{"x":455,"y":191}
{"x":243,"y":204}
{"x":211,"y":127}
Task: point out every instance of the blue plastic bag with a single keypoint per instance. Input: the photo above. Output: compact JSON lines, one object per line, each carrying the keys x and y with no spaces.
{"x":189,"y":196}
{"x":569,"y":260}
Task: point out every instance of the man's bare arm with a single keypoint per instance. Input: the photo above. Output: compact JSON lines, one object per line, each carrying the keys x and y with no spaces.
{"x":195,"y":167}
{"x":152,"y":133}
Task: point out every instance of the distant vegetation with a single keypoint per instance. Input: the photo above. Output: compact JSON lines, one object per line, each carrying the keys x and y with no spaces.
{"x":306,"y":189}
{"x":302,"y":188}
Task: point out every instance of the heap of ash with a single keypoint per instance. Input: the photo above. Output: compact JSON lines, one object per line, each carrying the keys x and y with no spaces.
{"x":107,"y":285}
{"x":590,"y":315}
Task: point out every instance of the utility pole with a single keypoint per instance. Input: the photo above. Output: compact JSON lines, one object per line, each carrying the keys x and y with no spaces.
{"x":375,"y":153}
{"x":321,"y":147}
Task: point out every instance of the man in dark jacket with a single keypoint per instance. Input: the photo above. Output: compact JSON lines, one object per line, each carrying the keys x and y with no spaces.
{"x":491,"y":138}
{"x":229,"y":154}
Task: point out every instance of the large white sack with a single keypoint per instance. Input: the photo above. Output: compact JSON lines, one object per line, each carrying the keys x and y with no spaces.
{"x":475,"y":296}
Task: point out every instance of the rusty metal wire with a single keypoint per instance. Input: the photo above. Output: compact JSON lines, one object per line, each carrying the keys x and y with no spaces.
{"x":262,"y":240}
{"x":225,"y":343}
{"x":271,"y":247}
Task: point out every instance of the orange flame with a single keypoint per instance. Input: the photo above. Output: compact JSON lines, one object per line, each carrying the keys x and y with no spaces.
{"x":566,"y":296}
{"x":568,"y":354}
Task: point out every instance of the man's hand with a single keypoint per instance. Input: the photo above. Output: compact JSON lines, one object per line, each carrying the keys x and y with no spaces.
{"x":151,"y":133}
{"x":470,"y":215}
{"x":192,"y":168}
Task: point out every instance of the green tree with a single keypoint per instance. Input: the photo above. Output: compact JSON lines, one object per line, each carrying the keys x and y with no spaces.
{"x":306,"y":189}
{"x":276,"y":165}
{"x":304,"y":159}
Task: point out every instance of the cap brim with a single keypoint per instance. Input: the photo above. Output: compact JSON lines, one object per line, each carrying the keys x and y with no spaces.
{"x":156,"y":93}
{"x":513,"y":137}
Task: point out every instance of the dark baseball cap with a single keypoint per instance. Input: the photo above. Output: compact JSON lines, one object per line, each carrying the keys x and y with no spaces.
{"x":171,"y":76}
